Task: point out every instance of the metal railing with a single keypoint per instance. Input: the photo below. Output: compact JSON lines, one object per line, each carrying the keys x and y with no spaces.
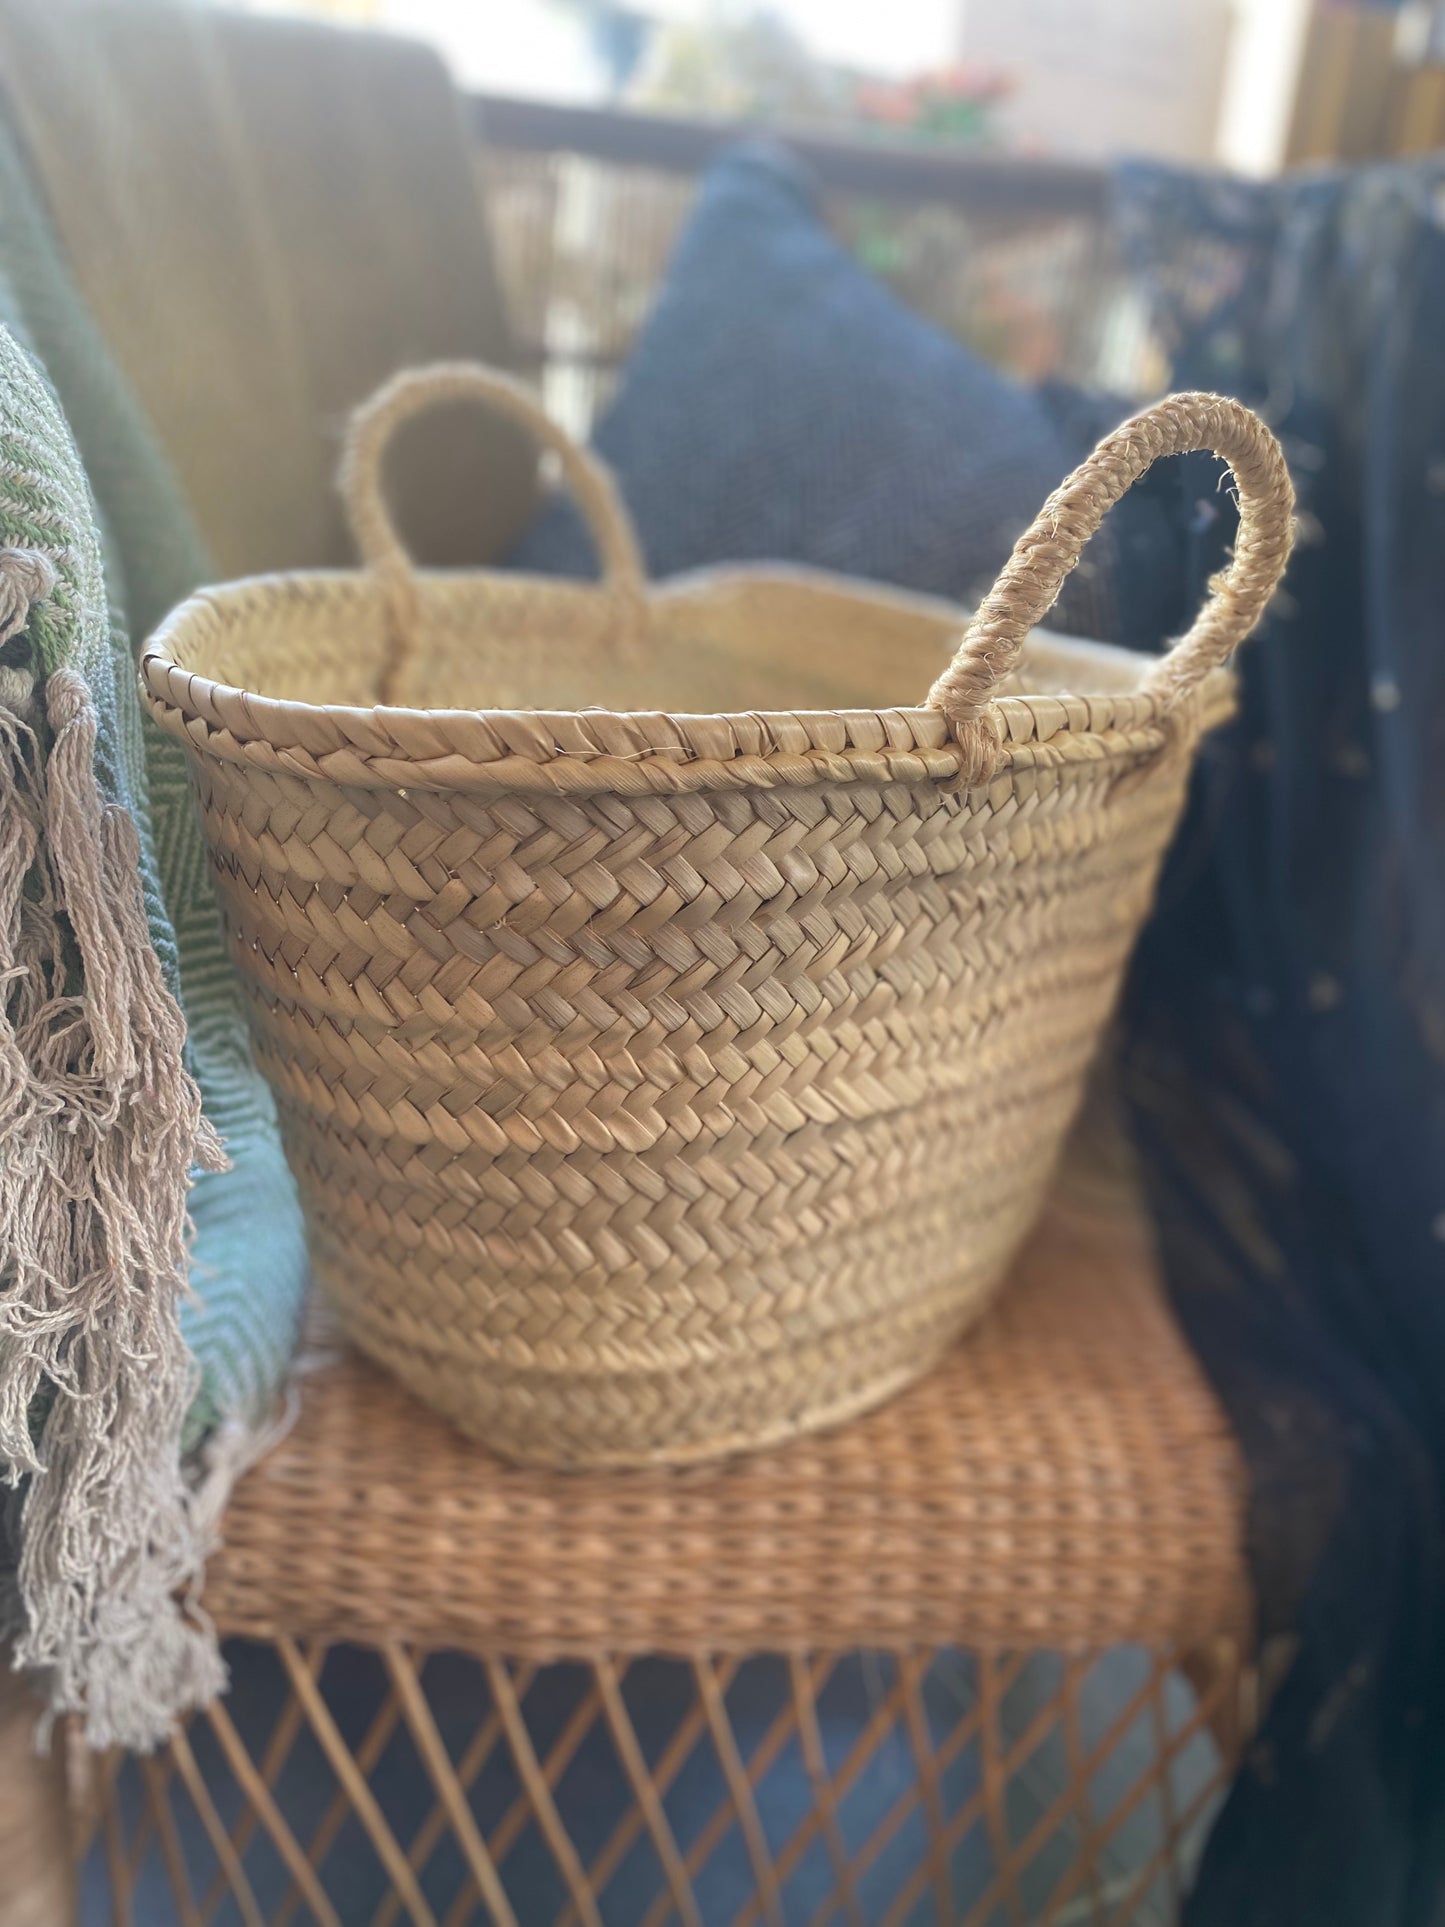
{"x":979,"y":182}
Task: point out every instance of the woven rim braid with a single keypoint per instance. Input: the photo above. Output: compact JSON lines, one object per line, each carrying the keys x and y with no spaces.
{"x":661,"y":1083}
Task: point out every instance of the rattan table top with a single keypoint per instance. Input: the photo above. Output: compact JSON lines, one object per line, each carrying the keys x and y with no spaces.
{"x":1065,"y":1479}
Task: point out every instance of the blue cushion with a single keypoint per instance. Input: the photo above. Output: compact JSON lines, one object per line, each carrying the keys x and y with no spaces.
{"x":782,"y":404}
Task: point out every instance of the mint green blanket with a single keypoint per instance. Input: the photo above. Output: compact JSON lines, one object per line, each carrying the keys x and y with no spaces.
{"x":125,"y":1405}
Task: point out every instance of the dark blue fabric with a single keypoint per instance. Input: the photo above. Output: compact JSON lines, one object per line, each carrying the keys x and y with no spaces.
{"x":1286,"y":1021}
{"x":781,"y":403}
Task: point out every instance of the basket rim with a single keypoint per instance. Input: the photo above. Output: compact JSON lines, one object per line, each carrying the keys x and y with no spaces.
{"x":636,"y":751}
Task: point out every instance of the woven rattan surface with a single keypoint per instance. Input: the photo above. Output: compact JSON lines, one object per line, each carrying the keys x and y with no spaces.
{"x":1064,"y":1479}
{"x":683,"y":1074}
{"x":348,"y":1788}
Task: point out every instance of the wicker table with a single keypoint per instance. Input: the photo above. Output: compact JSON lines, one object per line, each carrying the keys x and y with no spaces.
{"x":1063,"y":1487}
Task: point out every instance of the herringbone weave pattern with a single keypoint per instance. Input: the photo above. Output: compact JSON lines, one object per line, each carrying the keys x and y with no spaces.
{"x":662,"y":1080}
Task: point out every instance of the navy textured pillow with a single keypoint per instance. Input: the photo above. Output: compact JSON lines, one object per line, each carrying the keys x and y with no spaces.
{"x":782,"y":404}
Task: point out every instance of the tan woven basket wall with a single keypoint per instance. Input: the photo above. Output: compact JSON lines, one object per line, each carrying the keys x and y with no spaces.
{"x":666,"y":1078}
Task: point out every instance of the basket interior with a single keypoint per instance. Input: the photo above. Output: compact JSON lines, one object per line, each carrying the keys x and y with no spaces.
{"x":718,"y":642}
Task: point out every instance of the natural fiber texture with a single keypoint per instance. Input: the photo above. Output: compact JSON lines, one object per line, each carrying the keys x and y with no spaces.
{"x":100,"y":1126}
{"x":1067,"y":1476}
{"x":246,"y":1255}
{"x":885,"y":1789}
{"x":661,"y":1081}
{"x":1031,"y":579}
{"x":1064,"y":1479}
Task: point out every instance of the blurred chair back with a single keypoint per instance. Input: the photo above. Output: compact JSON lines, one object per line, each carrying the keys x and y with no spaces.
{"x":266,"y":218}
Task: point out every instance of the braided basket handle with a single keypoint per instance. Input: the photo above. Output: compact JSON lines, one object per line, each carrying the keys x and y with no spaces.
{"x":1046,"y":554}
{"x":414,"y":392}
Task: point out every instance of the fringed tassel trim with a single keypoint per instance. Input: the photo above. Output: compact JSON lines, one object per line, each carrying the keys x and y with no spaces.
{"x":100,"y":1129}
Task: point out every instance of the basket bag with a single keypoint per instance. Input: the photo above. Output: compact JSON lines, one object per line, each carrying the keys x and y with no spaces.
{"x":673,"y":1076}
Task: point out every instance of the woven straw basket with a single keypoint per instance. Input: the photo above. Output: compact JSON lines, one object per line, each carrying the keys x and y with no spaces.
{"x":669,"y":1077}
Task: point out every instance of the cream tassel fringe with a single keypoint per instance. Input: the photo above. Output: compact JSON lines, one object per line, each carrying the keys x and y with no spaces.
{"x":100,"y":1128}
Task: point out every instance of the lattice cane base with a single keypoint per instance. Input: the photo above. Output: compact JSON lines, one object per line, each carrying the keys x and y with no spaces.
{"x":346,"y":1786}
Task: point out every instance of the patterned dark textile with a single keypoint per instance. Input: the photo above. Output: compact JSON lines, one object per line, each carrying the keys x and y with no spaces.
{"x":1286,"y":1018}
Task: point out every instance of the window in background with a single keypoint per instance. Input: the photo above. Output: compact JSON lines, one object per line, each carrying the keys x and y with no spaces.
{"x":1202,"y":81}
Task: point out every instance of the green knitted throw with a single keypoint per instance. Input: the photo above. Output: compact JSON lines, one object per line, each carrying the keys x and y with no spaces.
{"x":126,"y":1406}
